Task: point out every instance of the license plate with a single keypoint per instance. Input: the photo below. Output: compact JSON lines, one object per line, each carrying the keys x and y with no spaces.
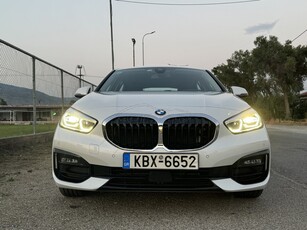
{"x":187,"y":161}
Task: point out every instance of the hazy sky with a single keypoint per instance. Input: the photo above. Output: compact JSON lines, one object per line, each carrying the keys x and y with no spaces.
{"x":71,"y":32}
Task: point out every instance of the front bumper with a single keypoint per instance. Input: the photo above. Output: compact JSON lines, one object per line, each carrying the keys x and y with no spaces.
{"x":218,"y":164}
{"x":71,"y":171}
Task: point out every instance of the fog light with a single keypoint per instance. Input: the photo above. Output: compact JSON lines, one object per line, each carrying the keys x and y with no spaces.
{"x":251,"y":169}
{"x":70,"y":167}
{"x":65,"y":160}
{"x":253,"y":162}
{"x":69,"y":159}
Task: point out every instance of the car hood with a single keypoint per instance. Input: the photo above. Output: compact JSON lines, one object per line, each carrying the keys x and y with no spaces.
{"x":217,"y":105}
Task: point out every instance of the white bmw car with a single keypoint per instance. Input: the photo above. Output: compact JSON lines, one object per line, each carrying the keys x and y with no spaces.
{"x":161,"y":129}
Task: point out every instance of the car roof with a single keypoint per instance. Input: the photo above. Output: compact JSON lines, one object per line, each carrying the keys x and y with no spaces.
{"x":167,"y":67}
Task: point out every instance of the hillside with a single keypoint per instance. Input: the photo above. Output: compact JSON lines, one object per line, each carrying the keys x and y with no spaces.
{"x":14,"y":95}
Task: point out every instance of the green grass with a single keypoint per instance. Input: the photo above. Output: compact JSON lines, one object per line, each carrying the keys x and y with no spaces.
{"x":19,"y":130}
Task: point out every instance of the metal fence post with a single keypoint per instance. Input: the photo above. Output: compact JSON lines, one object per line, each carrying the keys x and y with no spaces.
{"x":62,"y":91}
{"x":34,"y":95}
{"x":21,"y":65}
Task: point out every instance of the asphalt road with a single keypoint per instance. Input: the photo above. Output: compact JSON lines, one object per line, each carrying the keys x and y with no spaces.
{"x":30,"y":200}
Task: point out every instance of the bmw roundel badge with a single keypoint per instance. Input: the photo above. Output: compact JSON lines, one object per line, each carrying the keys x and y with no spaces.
{"x":160,"y":112}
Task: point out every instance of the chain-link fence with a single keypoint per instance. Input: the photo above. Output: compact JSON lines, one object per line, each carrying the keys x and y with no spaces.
{"x":33,"y":93}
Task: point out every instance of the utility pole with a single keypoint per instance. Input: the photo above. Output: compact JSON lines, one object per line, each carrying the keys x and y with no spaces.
{"x":80,"y":74}
{"x":133,"y":54}
{"x":111,"y":25}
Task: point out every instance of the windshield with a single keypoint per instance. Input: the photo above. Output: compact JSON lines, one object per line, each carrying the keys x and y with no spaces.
{"x":160,"y":79}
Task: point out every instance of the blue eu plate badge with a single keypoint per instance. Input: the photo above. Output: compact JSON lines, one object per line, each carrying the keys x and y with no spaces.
{"x":126,"y":161}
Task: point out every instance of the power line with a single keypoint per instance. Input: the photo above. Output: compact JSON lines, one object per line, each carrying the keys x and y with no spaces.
{"x":299,"y":35}
{"x":187,"y":4}
{"x":93,"y":76}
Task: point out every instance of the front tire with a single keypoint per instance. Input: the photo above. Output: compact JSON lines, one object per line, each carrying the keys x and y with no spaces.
{"x":71,"y":192}
{"x":249,"y":194}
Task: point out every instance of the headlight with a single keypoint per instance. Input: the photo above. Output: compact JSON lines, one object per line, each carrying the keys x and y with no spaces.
{"x":247,"y":121}
{"x":77,"y":121}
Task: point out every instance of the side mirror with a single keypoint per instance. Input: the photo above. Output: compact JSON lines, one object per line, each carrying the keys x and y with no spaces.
{"x":239,"y":91}
{"x":81,"y":92}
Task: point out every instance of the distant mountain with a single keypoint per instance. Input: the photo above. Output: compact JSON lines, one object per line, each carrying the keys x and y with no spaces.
{"x":14,"y":95}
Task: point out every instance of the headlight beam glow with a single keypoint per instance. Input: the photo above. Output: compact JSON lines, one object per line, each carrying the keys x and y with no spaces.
{"x":244,"y":122}
{"x":77,"y":121}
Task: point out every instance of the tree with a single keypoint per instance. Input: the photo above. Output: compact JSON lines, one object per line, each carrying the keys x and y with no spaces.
{"x":239,"y":71}
{"x":280,"y":64}
{"x":270,"y":72}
